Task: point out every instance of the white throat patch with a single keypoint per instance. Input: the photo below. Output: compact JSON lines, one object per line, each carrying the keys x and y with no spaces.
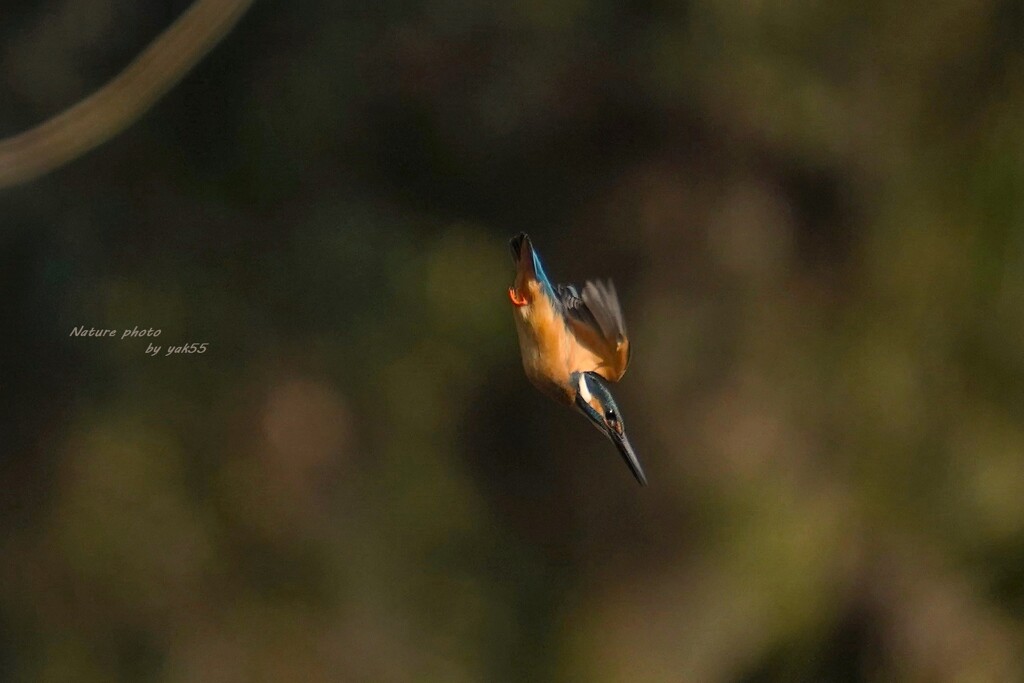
{"x":584,"y":389}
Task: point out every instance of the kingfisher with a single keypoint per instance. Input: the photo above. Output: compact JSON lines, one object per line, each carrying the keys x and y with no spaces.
{"x":573,"y":342}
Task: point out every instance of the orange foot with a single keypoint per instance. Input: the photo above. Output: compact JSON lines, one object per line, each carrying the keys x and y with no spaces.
{"x":516,"y":299}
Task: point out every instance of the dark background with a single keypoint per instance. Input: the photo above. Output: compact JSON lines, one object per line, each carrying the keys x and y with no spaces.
{"x":814,"y":213}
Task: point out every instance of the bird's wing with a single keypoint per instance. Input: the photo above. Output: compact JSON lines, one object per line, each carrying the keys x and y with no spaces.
{"x":595,"y":318}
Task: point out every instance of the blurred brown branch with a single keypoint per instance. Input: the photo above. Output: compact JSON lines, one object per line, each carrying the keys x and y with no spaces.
{"x":102,"y":115}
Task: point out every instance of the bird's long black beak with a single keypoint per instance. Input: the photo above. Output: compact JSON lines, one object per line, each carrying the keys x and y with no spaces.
{"x":626,"y":449}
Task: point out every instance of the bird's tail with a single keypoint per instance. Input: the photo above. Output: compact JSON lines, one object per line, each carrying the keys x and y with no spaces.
{"x":528,"y":266}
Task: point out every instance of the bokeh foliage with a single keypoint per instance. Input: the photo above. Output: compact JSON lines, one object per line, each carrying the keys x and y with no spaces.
{"x":814,"y":213}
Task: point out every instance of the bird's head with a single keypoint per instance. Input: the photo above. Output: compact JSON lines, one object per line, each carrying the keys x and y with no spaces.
{"x":594,"y":400}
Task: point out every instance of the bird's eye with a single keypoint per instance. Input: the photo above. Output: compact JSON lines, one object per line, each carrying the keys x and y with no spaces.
{"x":611,"y":416}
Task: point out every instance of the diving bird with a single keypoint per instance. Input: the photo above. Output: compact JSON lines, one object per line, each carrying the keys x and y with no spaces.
{"x":573,"y":344}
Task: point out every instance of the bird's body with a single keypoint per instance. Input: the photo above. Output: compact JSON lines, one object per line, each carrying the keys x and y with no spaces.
{"x":550,"y":351}
{"x":572,"y":343}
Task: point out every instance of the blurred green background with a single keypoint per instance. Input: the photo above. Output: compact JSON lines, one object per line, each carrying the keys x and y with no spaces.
{"x":814,"y":213}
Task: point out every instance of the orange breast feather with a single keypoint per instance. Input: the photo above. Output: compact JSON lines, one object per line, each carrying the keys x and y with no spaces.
{"x":606,"y":357}
{"x":548,"y":348}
